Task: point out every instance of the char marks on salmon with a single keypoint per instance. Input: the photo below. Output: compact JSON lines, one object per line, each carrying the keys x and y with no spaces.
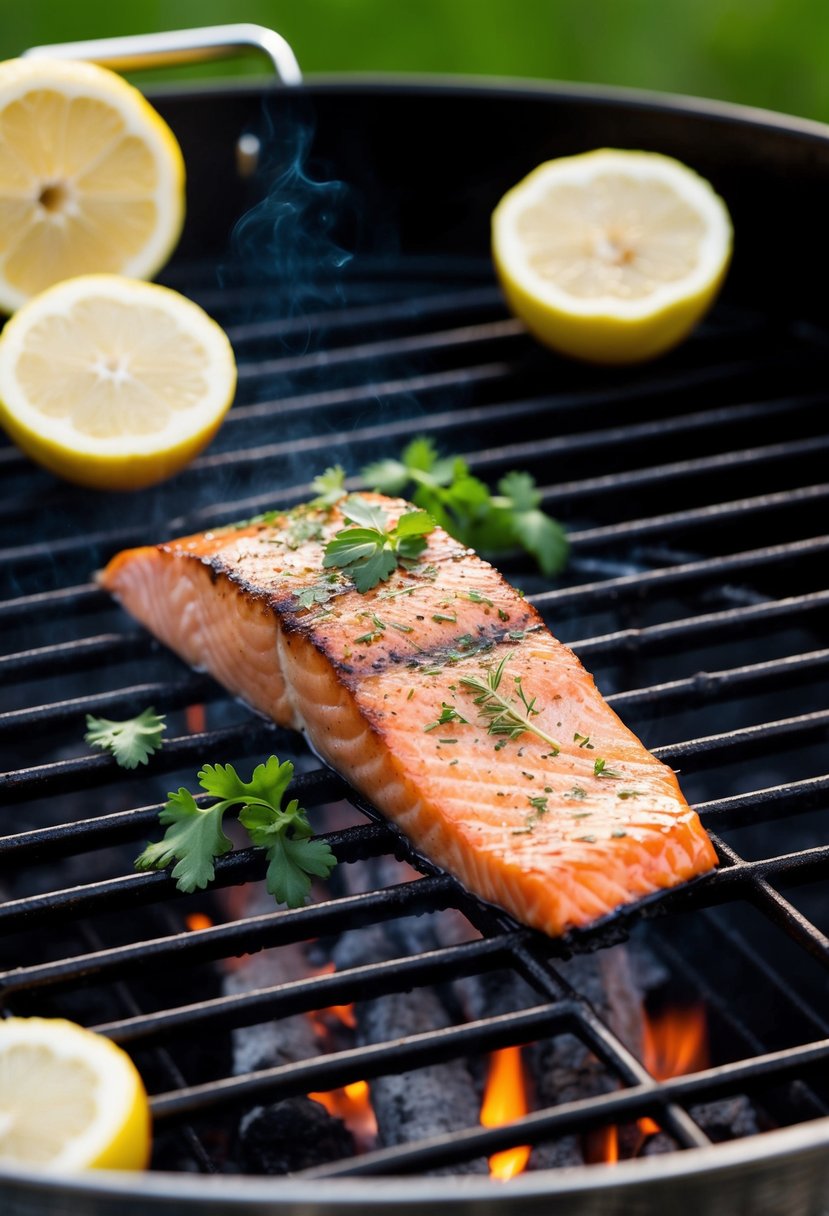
{"x":441,"y":695}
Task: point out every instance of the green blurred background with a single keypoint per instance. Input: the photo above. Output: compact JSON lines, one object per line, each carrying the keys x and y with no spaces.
{"x":772,"y":53}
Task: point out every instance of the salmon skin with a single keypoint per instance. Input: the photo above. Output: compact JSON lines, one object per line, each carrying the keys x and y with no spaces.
{"x":416,"y":691}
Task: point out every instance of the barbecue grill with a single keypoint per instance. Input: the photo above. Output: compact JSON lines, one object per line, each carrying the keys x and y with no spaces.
{"x":358,"y":293}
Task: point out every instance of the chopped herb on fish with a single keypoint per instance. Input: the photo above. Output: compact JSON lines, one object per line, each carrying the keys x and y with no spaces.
{"x":505,"y":715}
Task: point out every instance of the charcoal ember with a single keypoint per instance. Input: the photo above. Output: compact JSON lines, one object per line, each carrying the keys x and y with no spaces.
{"x":429,"y":1101}
{"x":282,"y":1040}
{"x":269,"y":1138}
{"x":289,"y":1136}
{"x":564,"y":1069}
{"x":727,"y":1118}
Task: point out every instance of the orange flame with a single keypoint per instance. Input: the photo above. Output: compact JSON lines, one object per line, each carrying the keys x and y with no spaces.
{"x":352,"y":1104}
{"x":505,"y":1099}
{"x":601,"y":1145}
{"x":197,"y":920}
{"x":673,"y":1043}
{"x":340,"y":1013}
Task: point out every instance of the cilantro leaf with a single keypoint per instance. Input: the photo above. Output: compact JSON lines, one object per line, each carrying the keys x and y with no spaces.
{"x":292,"y":860}
{"x":330,"y":487}
{"x":131,"y":742}
{"x":194,"y":836}
{"x":365,"y":514}
{"x":544,"y":538}
{"x":520,"y":489}
{"x":387,"y":476}
{"x":371,"y":552}
{"x":468,"y":510}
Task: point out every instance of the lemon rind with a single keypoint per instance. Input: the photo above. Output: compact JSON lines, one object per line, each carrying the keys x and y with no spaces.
{"x":715,"y":245}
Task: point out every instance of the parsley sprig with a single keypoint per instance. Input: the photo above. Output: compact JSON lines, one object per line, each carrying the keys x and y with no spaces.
{"x":131,"y":742}
{"x":330,"y":487}
{"x":505,"y":715}
{"x":195,"y":837}
{"x":370,"y":552}
{"x":468,"y":510}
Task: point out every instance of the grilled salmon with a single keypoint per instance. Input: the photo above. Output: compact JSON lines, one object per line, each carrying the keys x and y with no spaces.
{"x":441,"y":695}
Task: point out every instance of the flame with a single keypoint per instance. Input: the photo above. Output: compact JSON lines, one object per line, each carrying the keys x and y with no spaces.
{"x":505,"y":1099}
{"x":674,"y":1043}
{"x":341,"y":1013}
{"x":601,"y":1145}
{"x":196,"y":719}
{"x":352,"y":1103}
{"x":197,"y":920}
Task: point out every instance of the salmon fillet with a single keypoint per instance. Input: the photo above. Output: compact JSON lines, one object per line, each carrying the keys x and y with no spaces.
{"x":560,"y":822}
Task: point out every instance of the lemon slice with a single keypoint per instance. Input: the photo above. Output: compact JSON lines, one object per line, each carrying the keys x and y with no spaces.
{"x":69,"y":1099}
{"x":611,"y":256}
{"x":113,"y":383}
{"x":91,"y":178}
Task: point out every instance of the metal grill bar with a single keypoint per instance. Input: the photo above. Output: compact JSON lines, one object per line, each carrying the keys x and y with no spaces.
{"x":247,"y":935}
{"x":621,"y":1107}
{"x":476,"y":378}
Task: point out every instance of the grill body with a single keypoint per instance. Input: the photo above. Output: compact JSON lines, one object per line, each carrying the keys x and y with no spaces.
{"x":423,"y":165}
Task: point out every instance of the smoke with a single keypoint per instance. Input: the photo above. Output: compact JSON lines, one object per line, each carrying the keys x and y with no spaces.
{"x":294,"y":240}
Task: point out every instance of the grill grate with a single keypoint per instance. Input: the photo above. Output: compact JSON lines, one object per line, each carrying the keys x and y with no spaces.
{"x":746,"y":414}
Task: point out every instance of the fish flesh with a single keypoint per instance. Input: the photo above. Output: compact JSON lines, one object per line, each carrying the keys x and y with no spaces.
{"x":441,"y":695}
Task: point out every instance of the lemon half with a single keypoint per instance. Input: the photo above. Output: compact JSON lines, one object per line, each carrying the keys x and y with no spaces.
{"x":611,"y":256}
{"x":113,"y":383}
{"x":91,"y":178}
{"x":69,"y":1099}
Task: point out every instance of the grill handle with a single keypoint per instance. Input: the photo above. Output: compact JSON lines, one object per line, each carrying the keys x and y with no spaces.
{"x":175,"y":47}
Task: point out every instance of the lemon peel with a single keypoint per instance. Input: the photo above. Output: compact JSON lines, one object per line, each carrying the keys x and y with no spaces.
{"x":69,"y":1099}
{"x":611,"y":256}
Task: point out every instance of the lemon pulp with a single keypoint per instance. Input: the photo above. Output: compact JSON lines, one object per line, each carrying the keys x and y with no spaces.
{"x":69,"y":1099}
{"x":91,"y":178}
{"x":611,"y":256}
{"x":113,"y":383}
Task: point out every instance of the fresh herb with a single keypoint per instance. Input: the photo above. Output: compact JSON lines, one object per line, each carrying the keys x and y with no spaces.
{"x":131,"y":742}
{"x":589,"y":839}
{"x":506,"y":715}
{"x":303,"y":527}
{"x":468,"y":510}
{"x":440,"y":617}
{"x":629,"y":794}
{"x":319,"y":592}
{"x":267,"y":517}
{"x":618,"y":834}
{"x":539,"y":804}
{"x":330,"y":487}
{"x":600,"y":769}
{"x":370,"y":552}
{"x":477,"y":598}
{"x":194,"y":836}
{"x":576,"y":792}
{"x":448,"y":713}
{"x":502,"y":616}
{"x":365,"y":639}
{"x":583,"y":741}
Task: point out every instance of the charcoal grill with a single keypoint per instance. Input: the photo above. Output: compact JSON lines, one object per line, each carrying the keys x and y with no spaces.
{"x":694,"y":492}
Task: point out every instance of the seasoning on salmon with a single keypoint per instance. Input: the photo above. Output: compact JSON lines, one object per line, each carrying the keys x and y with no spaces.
{"x":439,"y":694}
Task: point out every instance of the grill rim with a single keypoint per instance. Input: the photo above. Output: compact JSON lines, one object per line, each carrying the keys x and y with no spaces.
{"x":801,"y":1147}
